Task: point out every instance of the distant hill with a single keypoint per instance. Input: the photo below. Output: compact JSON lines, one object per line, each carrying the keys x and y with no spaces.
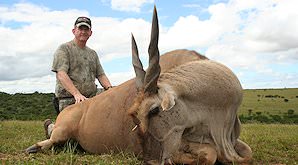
{"x":258,"y":105}
{"x":33,"y":106}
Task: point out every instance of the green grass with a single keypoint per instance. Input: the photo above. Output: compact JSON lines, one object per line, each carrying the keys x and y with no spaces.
{"x":256,"y":100}
{"x":271,"y":144}
{"x":15,"y":136}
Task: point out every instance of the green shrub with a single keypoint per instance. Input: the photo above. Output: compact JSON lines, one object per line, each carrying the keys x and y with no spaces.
{"x":34,"y":106}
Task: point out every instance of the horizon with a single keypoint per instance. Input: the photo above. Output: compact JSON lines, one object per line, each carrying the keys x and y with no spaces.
{"x":54,"y":92}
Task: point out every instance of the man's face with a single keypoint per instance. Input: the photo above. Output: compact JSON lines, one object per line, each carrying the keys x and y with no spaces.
{"x":82,"y":33}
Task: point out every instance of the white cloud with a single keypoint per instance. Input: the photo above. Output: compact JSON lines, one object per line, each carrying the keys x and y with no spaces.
{"x":118,"y":78}
{"x":247,"y":36}
{"x":275,"y":28}
{"x":26,"y":51}
{"x":112,"y":37}
{"x":129,"y":5}
{"x":250,"y":27}
{"x":189,"y":32}
{"x":45,"y":84}
{"x":250,"y":35}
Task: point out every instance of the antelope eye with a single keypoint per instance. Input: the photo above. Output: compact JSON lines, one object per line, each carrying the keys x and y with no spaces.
{"x":153,"y":112}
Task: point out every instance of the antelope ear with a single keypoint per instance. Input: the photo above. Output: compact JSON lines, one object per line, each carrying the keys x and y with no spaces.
{"x":168,"y":101}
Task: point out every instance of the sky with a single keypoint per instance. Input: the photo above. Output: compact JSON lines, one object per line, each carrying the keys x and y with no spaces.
{"x":257,"y":40}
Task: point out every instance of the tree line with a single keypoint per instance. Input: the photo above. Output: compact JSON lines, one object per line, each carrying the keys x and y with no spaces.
{"x":20,"y":106}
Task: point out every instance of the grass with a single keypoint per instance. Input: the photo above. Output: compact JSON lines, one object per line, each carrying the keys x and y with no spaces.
{"x":259,"y":100}
{"x":271,"y":144}
{"x":15,"y":136}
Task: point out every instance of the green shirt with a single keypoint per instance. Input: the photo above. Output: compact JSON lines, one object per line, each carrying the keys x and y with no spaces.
{"x":81,"y":65}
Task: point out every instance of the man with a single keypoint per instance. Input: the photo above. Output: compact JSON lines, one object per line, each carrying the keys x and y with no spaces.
{"x":77,"y":66}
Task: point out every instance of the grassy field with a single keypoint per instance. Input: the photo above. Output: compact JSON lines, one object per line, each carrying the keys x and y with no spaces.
{"x":15,"y":136}
{"x":271,"y":144}
{"x":273,"y":101}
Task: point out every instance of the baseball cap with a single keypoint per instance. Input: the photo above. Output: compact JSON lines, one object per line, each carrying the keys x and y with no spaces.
{"x":83,"y":21}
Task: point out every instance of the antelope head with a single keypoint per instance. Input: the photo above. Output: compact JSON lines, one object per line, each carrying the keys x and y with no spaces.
{"x":151,"y":96}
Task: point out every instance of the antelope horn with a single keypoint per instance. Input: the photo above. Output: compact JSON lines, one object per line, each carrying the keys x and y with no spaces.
{"x":153,"y":70}
{"x":137,"y":64}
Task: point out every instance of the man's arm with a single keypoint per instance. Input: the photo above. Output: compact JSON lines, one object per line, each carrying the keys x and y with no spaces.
{"x":69,"y":86}
{"x":104,"y":81}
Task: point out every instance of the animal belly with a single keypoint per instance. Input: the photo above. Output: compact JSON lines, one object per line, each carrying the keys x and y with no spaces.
{"x":96,"y":141}
{"x":104,"y":136}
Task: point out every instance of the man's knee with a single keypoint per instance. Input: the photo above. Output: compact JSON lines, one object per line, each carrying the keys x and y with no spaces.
{"x":99,"y":90}
{"x":63,"y":103}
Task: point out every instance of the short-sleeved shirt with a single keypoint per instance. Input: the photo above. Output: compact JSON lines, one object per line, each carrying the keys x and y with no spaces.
{"x":81,"y":65}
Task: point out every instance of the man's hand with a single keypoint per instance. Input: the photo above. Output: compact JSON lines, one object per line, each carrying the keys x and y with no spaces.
{"x":69,"y":86}
{"x":79,"y":97}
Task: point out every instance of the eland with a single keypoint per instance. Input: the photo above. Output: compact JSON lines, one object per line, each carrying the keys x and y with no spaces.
{"x":182,"y":109}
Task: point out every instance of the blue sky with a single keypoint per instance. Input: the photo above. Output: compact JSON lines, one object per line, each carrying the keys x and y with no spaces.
{"x":256,"y":39}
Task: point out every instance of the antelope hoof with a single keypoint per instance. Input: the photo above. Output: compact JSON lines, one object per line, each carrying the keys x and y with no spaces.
{"x":33,"y":149}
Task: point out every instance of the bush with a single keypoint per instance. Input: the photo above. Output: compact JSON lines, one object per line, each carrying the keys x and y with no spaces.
{"x":287,"y":118}
{"x":34,"y":106}
{"x":291,"y":112}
